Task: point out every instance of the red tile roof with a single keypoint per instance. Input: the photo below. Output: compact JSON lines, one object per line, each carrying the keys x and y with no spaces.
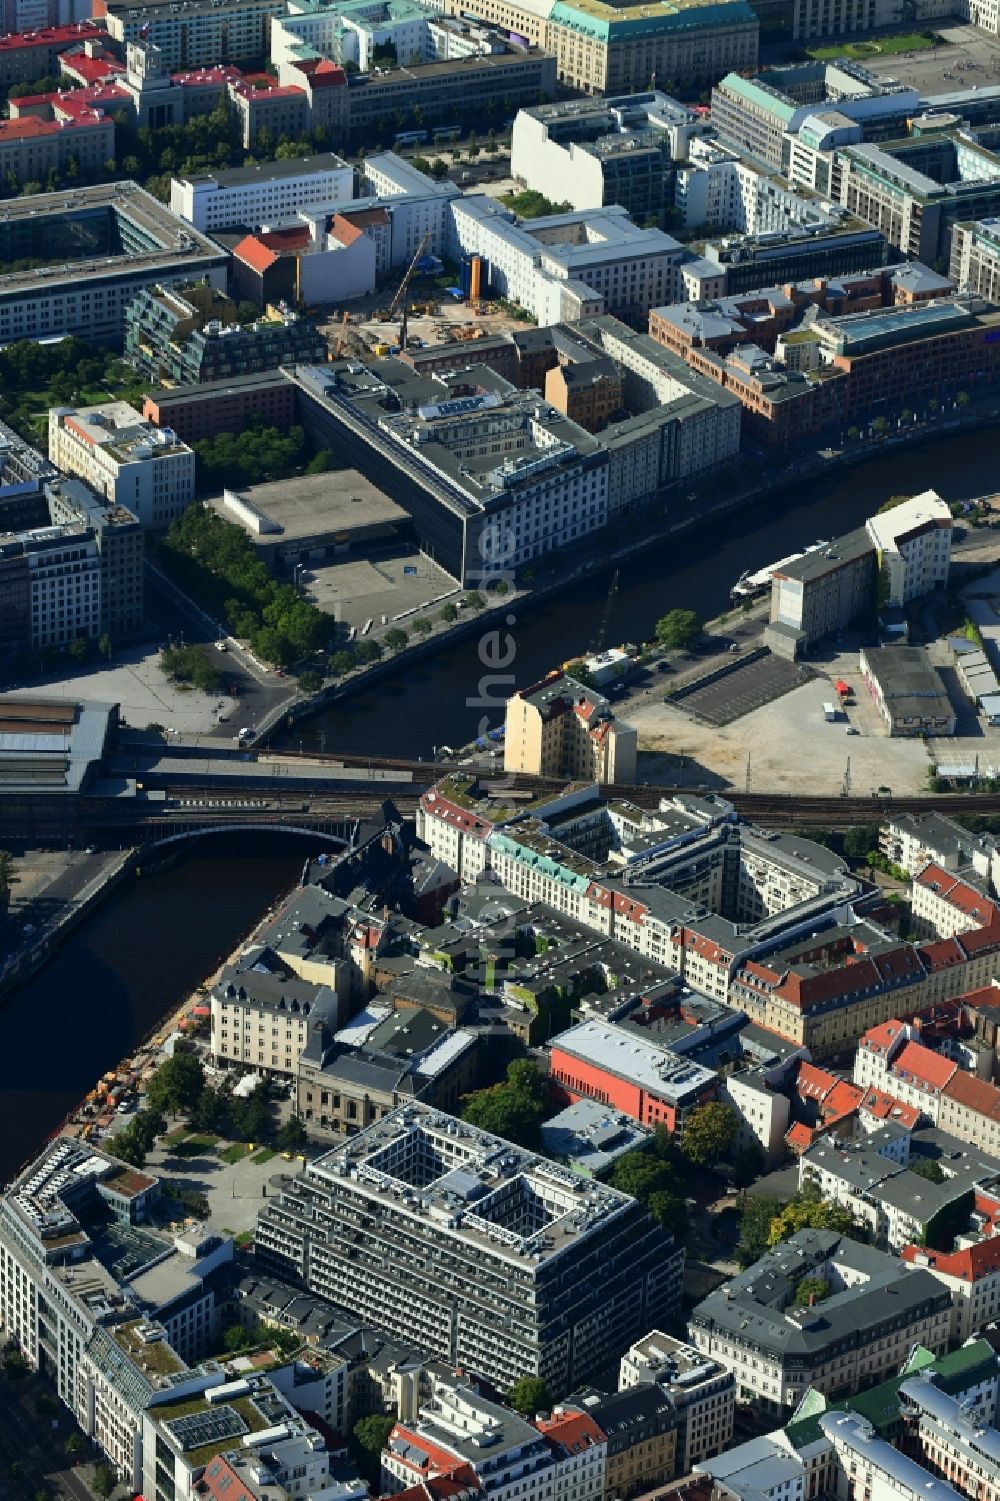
{"x":972,"y":1264}
{"x":924,"y":1068}
{"x":799,"y":1137}
{"x":574,"y":1431}
{"x":885,"y":1107}
{"x":974,"y":1093}
{"x":90,"y":69}
{"x":254,"y":253}
{"x":814,"y":1083}
{"x":53,"y":36}
{"x":842,"y":1100}
{"x":881,"y":1038}
{"x":346,"y":233}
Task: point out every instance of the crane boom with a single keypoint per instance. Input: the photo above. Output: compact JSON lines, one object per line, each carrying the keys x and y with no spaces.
{"x":407,"y":277}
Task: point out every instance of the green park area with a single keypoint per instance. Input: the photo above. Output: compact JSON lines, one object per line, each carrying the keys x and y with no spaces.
{"x":883,"y":46}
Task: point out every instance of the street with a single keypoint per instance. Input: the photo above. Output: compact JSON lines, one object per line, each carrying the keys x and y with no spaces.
{"x":35,"y":1445}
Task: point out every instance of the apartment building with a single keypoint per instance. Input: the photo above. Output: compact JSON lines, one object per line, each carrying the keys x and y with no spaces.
{"x":193,"y":33}
{"x":913,"y":840}
{"x":597,"y":1060}
{"x":970,"y":1110}
{"x":862,"y":1331}
{"x":605,"y":49}
{"x":639,"y":1426}
{"x":263,"y":1021}
{"x":914,"y":547}
{"x":702,"y":1392}
{"x":821,"y":592}
{"x":145,"y":469}
{"x":187,"y":335}
{"x":223,"y":406}
{"x":260,"y":194}
{"x":118,"y":537}
{"x":953,"y":1443}
{"x":944,"y":905}
{"x":460,"y":1435}
{"x":972,"y":1275}
{"x":975,"y":258}
{"x":512,"y":1265}
{"x":557,"y":727}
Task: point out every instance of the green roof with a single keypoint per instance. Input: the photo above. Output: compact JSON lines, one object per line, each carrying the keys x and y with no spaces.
{"x":954,"y":1373}
{"x":595,"y":18}
{"x":756,"y":93}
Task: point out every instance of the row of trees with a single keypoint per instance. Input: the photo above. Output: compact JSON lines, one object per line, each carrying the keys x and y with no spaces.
{"x":765,"y":1222}
{"x":215,"y":562}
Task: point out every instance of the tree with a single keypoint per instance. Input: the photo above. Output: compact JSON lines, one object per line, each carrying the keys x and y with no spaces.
{"x":749,"y":1163}
{"x":369,"y":1437}
{"x":237,"y":1338}
{"x":422,"y":626}
{"x":853,"y":434}
{"x":709,"y":1133}
{"x":860,"y":840}
{"x":678,"y":628}
{"x":342,"y":662}
{"x":475,"y":600}
{"x":176,"y":1084}
{"x":310,"y":681}
{"x":448,"y":613}
{"x":906,"y":416}
{"x":7,"y":876}
{"x":78,"y":648}
{"x":893,"y":502}
{"x":76,"y":1444}
{"x":395,"y":638}
{"x":127,"y":1148}
{"x":104,"y":1481}
{"x":756,"y":1215}
{"x":529,"y":1395}
{"x":963,"y":398}
{"x":104,"y":645}
{"x":880,"y":425}
{"x":514,"y":1109}
{"x":209,"y":1112}
{"x":811,"y":1290}
{"x":927,"y":1168}
{"x":807,"y":1211}
{"x":292,"y":1135}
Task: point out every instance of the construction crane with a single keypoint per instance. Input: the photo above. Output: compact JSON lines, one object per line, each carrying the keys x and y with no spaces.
{"x":400,"y":296}
{"x":344,"y":321}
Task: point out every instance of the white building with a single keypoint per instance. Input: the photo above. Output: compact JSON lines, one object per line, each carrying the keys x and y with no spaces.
{"x":914,"y":546}
{"x":763,"y":1112}
{"x":869,"y":1466}
{"x":121,"y":456}
{"x":702,"y":1391}
{"x":723,"y":191}
{"x":971,"y":1274}
{"x":252,"y":196}
{"x":568,"y":266}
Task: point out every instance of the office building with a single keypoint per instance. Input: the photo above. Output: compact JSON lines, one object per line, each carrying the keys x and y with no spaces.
{"x":606,"y":49}
{"x":248,"y":197}
{"x":592,"y":152}
{"x":743,"y":263}
{"x":597,"y":1060}
{"x":98,"y":247}
{"x":512,"y":1265}
{"x":312,"y":517}
{"x":34,"y":52}
{"x":499,"y":82}
{"x":224,"y":406}
{"x":907,"y":690}
{"x":145,"y":469}
{"x":763,"y":114}
{"x":45,"y":132}
{"x":559,"y":728}
{"x":118,"y":538}
{"x":193,"y":33}
{"x":702,"y":1392}
{"x":186,"y":335}
{"x":568,"y":266}
{"x":862,"y":1331}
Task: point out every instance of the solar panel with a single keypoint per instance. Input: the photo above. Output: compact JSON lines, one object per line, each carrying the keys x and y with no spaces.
{"x":212,"y":1426}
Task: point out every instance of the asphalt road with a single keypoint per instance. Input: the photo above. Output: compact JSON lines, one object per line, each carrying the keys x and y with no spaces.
{"x":257,"y":691}
{"x":36,"y":1446}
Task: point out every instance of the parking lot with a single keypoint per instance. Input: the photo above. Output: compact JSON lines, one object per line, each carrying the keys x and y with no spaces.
{"x":969,"y":57}
{"x":747,"y":687}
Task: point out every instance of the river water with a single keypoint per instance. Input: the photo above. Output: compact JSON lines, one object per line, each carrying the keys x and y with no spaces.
{"x":121,"y":973}
{"x":426,"y":705}
{"x":130,"y":964}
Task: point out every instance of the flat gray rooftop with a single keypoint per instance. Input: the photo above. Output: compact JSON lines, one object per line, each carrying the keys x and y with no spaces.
{"x":310,"y":504}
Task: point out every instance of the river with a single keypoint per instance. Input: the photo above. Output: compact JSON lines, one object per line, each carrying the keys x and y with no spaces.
{"x":130,"y":964}
{"x":121,"y":973}
{"x":426,"y":705}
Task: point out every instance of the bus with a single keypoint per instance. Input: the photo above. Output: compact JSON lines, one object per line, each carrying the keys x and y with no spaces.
{"x":411,"y":137}
{"x":447,"y":132}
